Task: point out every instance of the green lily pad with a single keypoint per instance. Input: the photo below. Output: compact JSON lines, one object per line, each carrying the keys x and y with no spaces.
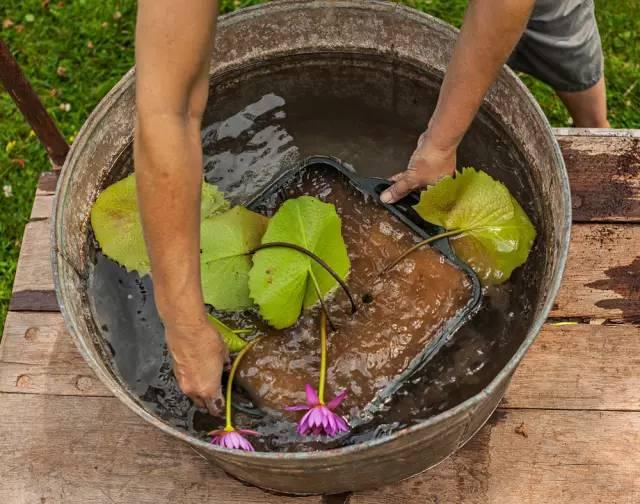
{"x":225,"y":241}
{"x":496,"y":234}
{"x":234,"y":342}
{"x":116,"y":224}
{"x":283,"y":281}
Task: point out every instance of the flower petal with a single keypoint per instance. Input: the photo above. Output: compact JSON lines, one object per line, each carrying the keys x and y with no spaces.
{"x":303,"y":425}
{"x":331,"y":421}
{"x":237,"y":440}
{"x":335,"y":402}
{"x":343,"y":426}
{"x":246,"y":445}
{"x":312,"y":396}
{"x":315,"y":417}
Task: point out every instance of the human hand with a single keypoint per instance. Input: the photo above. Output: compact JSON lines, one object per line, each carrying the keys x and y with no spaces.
{"x":199,"y":356}
{"x":428,"y":164}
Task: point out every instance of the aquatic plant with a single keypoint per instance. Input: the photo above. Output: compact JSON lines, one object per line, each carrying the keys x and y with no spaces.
{"x":488,"y":228}
{"x":319,"y":418}
{"x":283,"y":281}
{"x":225,"y":241}
{"x":116,"y":223}
{"x":230,"y":437}
{"x":231,"y":337}
{"x":233,"y":438}
{"x":282,"y":264}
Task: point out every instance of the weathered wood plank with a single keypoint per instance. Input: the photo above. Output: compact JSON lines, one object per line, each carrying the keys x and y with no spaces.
{"x":89,"y":450}
{"x":604,"y":175}
{"x":93,"y":450}
{"x":38,"y":356}
{"x":34,"y":267}
{"x":47,"y":183}
{"x":34,"y":300}
{"x":37,"y":338}
{"x":51,"y":380}
{"x":531,"y":457}
{"x":42,"y":206}
{"x":584,"y":366}
{"x":602,"y":277}
{"x":571,"y":367}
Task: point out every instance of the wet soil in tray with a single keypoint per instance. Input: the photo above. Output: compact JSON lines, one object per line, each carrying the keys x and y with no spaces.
{"x":406,"y":309}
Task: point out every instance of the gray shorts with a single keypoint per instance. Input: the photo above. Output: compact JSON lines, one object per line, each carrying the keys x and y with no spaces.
{"x":561,"y":45}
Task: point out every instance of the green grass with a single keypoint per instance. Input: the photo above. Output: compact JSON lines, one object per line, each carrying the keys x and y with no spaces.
{"x":93,"y":42}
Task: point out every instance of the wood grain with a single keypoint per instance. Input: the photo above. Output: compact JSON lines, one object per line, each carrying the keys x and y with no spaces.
{"x":34,"y":300}
{"x":37,"y":338}
{"x":93,"y":450}
{"x":34,"y":265}
{"x":42,"y":207}
{"x":533,"y":457}
{"x":604,"y":175}
{"x":571,"y":367}
{"x":50,"y":380}
{"x":593,"y":367}
{"x":37,"y":356}
{"x":88,"y":450}
{"x":47,"y":183}
{"x":602,"y":276}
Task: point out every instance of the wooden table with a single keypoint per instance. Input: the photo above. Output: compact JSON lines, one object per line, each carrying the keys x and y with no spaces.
{"x":567,"y":431}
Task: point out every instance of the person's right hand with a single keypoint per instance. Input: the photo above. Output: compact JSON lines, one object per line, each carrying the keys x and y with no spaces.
{"x":199,"y":356}
{"x":428,"y":164}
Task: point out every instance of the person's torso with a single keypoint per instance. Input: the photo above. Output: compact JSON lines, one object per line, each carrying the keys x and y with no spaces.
{"x":548,"y":10}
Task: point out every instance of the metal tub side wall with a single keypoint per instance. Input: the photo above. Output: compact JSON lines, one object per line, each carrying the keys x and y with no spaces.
{"x":255,"y":36}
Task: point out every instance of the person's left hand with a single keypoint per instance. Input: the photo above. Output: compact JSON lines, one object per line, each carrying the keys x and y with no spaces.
{"x":428,"y":164}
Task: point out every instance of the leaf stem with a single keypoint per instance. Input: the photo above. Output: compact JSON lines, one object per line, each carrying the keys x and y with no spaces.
{"x":325,"y":310}
{"x":318,"y":260}
{"x":247,"y":330}
{"x":323,"y":356}
{"x":232,"y":373}
{"x":431,"y":239}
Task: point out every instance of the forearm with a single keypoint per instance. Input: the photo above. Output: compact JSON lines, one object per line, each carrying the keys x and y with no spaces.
{"x":173,"y":49}
{"x":169,"y":178}
{"x":490,"y":31}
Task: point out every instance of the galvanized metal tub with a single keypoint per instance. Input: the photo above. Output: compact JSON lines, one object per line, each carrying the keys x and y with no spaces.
{"x":302,"y":31}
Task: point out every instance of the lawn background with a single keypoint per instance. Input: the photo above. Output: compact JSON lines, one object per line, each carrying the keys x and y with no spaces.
{"x":73,"y":52}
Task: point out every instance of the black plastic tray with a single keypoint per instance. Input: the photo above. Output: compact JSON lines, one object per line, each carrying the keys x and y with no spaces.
{"x":275,"y":193}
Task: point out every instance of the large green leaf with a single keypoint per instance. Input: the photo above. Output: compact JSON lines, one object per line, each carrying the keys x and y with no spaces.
{"x":225,"y":241}
{"x":230,"y":337}
{"x":495,"y":233}
{"x":116,"y":222}
{"x":283,"y":281}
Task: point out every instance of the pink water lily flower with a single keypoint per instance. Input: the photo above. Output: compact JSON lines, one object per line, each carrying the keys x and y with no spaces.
{"x":320,"y":418}
{"x":233,"y":438}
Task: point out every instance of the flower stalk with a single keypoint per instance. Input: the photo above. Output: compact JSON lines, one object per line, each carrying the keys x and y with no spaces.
{"x":319,"y":418}
{"x":230,"y":437}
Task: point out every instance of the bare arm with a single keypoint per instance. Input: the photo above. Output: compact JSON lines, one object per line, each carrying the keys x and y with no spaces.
{"x":490,"y":31}
{"x":173,"y":47}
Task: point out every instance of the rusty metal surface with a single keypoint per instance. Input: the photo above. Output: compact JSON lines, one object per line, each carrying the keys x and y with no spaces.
{"x":292,"y":28}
